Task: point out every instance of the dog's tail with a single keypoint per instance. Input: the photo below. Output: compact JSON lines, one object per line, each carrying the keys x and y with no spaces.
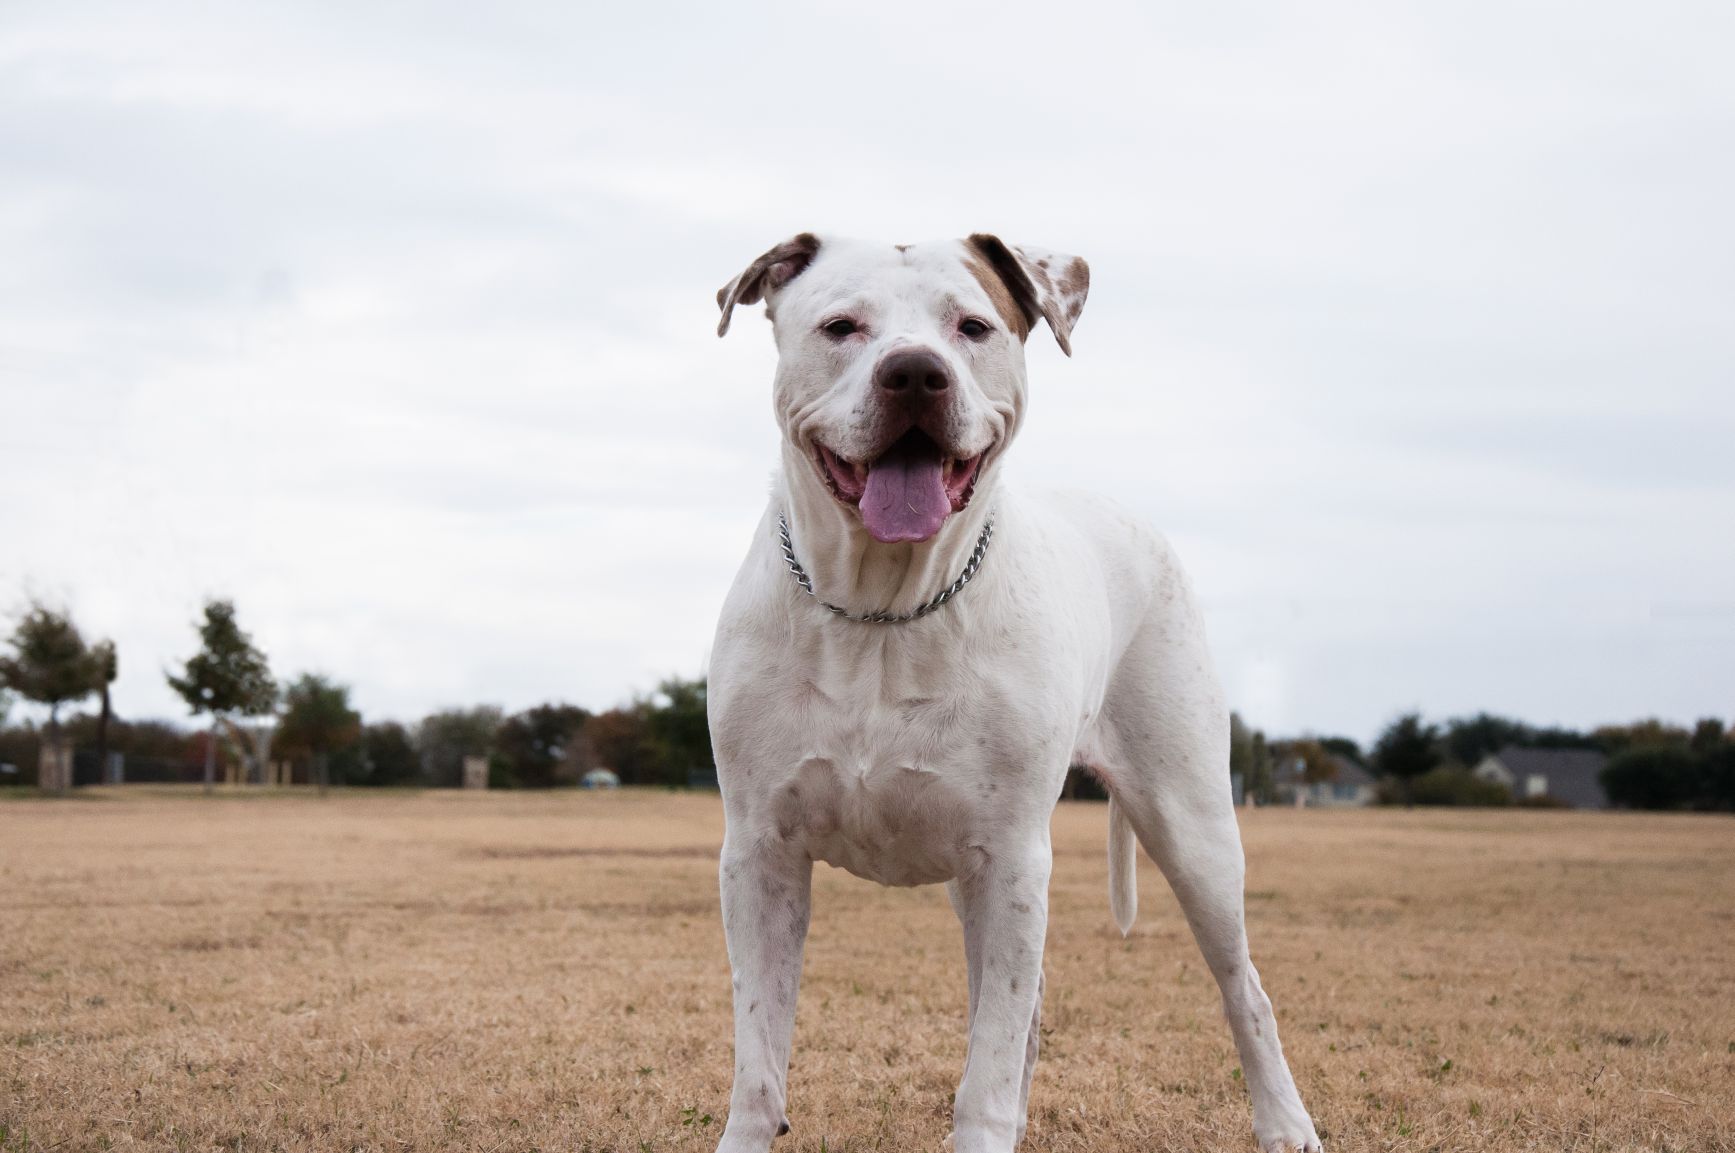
{"x":1123,"y":871}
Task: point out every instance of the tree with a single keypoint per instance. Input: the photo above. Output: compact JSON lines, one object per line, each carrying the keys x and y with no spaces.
{"x":1652,"y":777}
{"x":227,"y":676}
{"x":1717,"y":777}
{"x":388,"y":755}
{"x":1240,"y":751}
{"x":622,"y":742}
{"x":1343,"y":747}
{"x":534,"y":746}
{"x":1708,"y":734}
{"x":1469,"y":739}
{"x":1251,"y":757}
{"x":1317,"y":765}
{"x":657,"y":739}
{"x":105,"y":665}
{"x":1648,"y":733}
{"x":50,"y":663}
{"x":317,"y":721}
{"x":1447,"y":784}
{"x":1658,"y":776}
{"x":150,"y":740}
{"x":445,"y":738}
{"x":679,"y":730}
{"x":1264,"y":780}
{"x":1405,"y":750}
{"x":1557,"y":738}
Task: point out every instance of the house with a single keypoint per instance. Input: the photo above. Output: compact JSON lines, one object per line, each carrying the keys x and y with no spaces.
{"x":1568,"y":776}
{"x":1350,"y":784}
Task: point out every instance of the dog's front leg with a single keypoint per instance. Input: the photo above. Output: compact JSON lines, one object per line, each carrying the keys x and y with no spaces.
{"x":765,"y":888}
{"x":1003,"y":902}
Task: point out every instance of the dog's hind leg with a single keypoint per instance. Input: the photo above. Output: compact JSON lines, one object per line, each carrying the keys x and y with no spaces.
{"x":1167,"y":733}
{"x":1031,"y":1045}
{"x":972,"y":954}
{"x":766,"y":898}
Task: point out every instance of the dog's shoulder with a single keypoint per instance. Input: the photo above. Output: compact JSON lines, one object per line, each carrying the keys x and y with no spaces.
{"x":1105,"y":527}
{"x":1134,"y":562}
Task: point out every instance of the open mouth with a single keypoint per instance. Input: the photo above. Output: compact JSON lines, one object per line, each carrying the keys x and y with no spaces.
{"x":908,"y":491}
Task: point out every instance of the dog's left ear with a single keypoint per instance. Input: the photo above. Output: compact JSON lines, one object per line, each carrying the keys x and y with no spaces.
{"x":1047,"y":285}
{"x":766,"y":275}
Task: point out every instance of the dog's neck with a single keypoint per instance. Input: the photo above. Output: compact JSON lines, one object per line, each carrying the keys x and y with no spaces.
{"x":851,"y":569}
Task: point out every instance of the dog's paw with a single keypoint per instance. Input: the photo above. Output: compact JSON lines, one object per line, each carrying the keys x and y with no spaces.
{"x":742,"y":1138}
{"x":1292,"y":1145}
{"x":1286,"y":1129}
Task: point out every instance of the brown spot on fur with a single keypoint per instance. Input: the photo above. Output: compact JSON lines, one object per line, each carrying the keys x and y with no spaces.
{"x":771,"y":271}
{"x":987,"y":267}
{"x":1075,"y":282}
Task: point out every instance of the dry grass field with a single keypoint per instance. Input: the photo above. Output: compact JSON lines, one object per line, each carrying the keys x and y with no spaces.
{"x":514,"y":972}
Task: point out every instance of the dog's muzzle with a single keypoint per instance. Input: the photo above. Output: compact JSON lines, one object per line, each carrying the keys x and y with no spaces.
{"x":911,"y":485}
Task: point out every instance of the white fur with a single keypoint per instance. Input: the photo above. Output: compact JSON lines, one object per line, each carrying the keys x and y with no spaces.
{"x":934,"y":751}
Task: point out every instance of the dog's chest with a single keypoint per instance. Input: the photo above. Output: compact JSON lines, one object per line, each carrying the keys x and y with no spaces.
{"x":901,"y":789}
{"x":896,"y":753}
{"x":893,"y":824}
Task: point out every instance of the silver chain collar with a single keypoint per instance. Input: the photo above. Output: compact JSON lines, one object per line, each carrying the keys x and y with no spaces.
{"x":883,"y":617}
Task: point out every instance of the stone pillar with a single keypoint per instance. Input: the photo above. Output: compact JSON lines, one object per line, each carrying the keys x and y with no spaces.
{"x":54,"y":769}
{"x":475,"y":772}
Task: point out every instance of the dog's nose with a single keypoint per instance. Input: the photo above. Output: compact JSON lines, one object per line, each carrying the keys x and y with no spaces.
{"x":914,"y":371}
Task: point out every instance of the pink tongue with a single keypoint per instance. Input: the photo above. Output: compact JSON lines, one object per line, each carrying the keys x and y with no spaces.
{"x":905,"y":498}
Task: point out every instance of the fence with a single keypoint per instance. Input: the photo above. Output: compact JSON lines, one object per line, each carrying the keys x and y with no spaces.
{"x":88,"y":770}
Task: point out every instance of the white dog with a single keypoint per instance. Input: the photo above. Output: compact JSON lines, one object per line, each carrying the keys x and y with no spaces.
{"x":912,"y":655}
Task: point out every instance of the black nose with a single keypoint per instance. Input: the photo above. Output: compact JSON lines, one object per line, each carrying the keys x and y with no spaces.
{"x":913,"y":370}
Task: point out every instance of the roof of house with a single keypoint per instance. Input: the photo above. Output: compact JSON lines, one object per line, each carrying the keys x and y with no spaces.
{"x":1571,"y":773}
{"x":1350,"y":773}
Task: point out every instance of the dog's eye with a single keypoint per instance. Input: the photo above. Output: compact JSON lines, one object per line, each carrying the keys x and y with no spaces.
{"x":839,"y":328}
{"x":973,"y":328}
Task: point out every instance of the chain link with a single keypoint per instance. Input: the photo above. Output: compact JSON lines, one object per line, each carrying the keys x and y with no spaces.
{"x":883,"y":617}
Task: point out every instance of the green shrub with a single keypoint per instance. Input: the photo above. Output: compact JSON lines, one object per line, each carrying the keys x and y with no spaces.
{"x":1446,"y":785}
{"x":1657,"y":777}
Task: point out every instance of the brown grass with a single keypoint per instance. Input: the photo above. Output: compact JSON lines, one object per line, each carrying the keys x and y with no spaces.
{"x":514,"y":972}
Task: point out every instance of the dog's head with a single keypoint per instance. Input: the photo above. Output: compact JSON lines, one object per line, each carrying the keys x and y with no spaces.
{"x":900,"y":374}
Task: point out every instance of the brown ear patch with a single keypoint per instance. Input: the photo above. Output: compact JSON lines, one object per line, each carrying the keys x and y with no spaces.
{"x":1075,"y":282}
{"x":1044,"y":285}
{"x":998,"y":272}
{"x":771,"y":271}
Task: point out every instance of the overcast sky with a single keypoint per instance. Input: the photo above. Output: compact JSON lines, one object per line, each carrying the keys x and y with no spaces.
{"x":1410,"y":326}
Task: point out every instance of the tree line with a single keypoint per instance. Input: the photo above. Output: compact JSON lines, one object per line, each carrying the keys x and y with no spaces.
{"x":1652,"y":764}
{"x":309,"y":724}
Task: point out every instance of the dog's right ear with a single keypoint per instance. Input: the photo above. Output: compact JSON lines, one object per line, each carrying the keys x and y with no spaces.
{"x":766,"y":275}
